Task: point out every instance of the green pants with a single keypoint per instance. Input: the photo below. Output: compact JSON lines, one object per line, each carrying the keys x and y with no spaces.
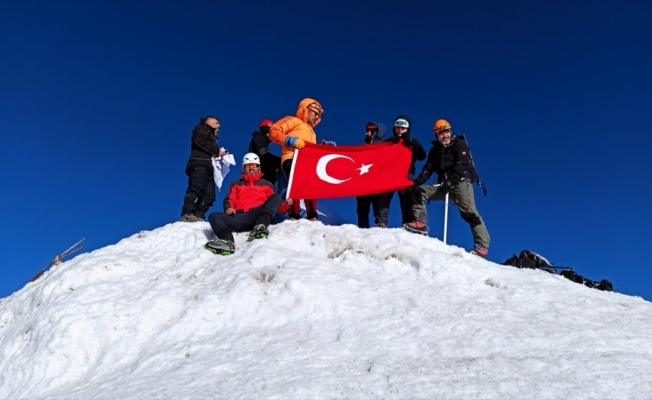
{"x":462,"y":195}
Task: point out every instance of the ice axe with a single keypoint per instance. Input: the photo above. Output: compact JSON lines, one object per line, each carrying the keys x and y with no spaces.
{"x":57,"y":260}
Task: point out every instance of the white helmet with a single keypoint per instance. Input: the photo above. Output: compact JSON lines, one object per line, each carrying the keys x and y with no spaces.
{"x":250,"y":158}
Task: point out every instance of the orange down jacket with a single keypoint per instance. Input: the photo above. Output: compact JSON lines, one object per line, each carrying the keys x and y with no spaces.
{"x":294,"y":126}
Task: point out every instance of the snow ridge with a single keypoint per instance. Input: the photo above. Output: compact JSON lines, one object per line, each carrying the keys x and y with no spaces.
{"x":315,"y":311}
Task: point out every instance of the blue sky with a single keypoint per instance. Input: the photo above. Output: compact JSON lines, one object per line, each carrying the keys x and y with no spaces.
{"x":98,"y":99}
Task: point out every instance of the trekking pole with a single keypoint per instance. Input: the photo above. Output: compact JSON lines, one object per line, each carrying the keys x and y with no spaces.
{"x":445,"y":217}
{"x":57,"y":259}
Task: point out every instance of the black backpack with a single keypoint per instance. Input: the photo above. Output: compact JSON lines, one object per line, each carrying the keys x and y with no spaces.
{"x":528,"y":259}
{"x":477,"y":176}
{"x":532,"y":260}
{"x":603,"y":285}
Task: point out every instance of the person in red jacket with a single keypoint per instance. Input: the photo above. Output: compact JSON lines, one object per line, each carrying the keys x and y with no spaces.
{"x":250,"y":203}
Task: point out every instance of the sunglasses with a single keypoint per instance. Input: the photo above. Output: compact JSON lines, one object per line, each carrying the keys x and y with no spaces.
{"x":440,"y":132}
{"x":251,"y":165}
{"x":314,"y":107}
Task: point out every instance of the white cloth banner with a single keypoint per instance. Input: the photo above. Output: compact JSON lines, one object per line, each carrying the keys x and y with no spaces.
{"x":221,"y":167}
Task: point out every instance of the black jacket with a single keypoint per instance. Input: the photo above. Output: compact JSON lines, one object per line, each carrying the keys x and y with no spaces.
{"x":418,"y":152}
{"x":203,"y":147}
{"x":269,"y":162}
{"x":259,"y":143}
{"x":452,"y":162}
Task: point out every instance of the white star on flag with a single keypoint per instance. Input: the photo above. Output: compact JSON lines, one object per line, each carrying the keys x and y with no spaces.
{"x":364,"y":169}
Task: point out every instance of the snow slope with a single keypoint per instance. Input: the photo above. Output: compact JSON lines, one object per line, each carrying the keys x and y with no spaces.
{"x":315,"y":312}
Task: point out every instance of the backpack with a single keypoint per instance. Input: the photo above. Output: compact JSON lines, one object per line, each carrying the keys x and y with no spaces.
{"x":532,"y":260}
{"x":477,"y":176}
{"x":603,"y":285}
{"x":528,"y":259}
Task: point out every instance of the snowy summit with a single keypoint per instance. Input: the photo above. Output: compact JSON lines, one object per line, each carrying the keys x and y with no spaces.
{"x":315,"y":311}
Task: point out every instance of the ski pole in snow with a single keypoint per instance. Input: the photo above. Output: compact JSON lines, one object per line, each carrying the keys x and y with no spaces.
{"x":445,"y":217}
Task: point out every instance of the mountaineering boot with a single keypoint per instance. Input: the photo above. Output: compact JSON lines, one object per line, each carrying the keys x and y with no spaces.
{"x":220,"y":246}
{"x":380,"y":225}
{"x":416,"y":227}
{"x":259,"y":232}
{"x":479,"y":251}
{"x":190,"y":218}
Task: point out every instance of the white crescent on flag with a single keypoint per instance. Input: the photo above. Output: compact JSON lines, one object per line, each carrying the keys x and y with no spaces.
{"x":321,"y":168}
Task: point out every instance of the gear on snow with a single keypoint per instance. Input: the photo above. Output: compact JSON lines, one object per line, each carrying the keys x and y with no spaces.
{"x":479,"y":251}
{"x":190,"y":218}
{"x":260,"y":231}
{"x":416,"y":227}
{"x":220,"y":247}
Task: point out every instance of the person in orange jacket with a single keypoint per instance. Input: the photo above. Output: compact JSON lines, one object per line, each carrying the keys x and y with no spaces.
{"x":292,"y":132}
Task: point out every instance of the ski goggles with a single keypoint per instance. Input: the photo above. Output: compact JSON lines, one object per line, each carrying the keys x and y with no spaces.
{"x":401,"y":123}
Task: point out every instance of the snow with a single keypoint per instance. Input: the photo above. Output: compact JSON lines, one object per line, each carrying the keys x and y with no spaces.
{"x":316,"y":312}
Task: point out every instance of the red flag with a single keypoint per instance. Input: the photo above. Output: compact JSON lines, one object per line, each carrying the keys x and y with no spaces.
{"x":322,"y":171}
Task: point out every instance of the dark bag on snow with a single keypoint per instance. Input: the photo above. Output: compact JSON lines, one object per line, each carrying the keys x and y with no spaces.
{"x":603,"y":285}
{"x":528,"y":259}
{"x":532,"y":260}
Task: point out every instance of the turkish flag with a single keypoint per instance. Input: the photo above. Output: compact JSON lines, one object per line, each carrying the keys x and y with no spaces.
{"x":322,"y":171}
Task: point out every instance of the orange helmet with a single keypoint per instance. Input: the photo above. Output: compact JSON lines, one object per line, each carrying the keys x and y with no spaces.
{"x":440,"y":126}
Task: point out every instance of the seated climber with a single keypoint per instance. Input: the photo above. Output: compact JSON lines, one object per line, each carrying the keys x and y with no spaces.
{"x":250,"y":203}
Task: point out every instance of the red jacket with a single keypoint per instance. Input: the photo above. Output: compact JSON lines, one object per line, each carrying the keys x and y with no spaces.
{"x":250,"y":191}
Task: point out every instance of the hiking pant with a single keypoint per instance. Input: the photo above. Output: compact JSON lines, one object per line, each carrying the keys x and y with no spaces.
{"x":364,"y":204}
{"x":295,"y":209}
{"x":200,"y":194}
{"x":406,"y":198}
{"x":462,"y":195}
{"x":224,"y":225}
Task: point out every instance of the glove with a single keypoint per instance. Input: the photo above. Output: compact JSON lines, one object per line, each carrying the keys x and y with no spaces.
{"x":295,"y":142}
{"x":283,"y":208}
{"x":394,"y":139}
{"x":415,"y":184}
{"x":446,"y":186}
{"x":328,"y":142}
{"x":407,"y":142}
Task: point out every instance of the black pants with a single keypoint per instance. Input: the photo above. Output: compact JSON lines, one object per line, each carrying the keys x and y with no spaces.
{"x":224,"y":225}
{"x":200,"y":194}
{"x":405,"y":197}
{"x":311,"y":204}
{"x":364,"y":204}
